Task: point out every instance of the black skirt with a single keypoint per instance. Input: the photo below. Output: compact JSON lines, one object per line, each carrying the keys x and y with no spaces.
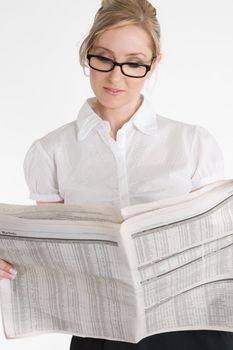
{"x":183,"y":340}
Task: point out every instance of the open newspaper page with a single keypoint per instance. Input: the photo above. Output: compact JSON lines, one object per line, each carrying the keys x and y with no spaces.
{"x":183,"y":254}
{"x":73,"y":274}
{"x":168,"y":266}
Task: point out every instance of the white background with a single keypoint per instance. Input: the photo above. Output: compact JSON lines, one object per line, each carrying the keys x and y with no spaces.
{"x":42,"y":85}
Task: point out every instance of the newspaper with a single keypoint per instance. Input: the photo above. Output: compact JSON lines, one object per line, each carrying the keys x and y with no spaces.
{"x":120,"y":274}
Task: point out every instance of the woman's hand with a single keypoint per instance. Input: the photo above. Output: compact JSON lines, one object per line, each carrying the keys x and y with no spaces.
{"x":7,"y":270}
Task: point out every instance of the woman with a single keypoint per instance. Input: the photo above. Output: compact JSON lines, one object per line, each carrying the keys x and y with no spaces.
{"x":119,"y":152}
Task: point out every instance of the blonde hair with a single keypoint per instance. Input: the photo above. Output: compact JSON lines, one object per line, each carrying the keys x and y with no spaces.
{"x":118,"y":13}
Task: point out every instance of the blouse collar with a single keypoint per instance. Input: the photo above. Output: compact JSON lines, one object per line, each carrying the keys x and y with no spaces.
{"x":144,"y":119}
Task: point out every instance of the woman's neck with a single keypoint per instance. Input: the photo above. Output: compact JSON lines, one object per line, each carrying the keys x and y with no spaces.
{"x":117,"y":117}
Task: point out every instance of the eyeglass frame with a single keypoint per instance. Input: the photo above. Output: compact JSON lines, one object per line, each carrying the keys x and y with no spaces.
{"x":115,"y":63}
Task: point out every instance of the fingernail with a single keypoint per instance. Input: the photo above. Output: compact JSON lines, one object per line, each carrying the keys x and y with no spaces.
{"x":12,"y":277}
{"x":13,"y":272}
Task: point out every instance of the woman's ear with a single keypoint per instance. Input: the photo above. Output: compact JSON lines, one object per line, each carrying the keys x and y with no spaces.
{"x":154,"y":65}
{"x":158,"y":58}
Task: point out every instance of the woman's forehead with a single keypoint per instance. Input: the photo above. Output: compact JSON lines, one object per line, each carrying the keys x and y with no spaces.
{"x":106,"y":49}
{"x":129,"y":39}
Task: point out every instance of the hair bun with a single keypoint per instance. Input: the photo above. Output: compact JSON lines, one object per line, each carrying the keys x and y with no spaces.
{"x":106,"y":3}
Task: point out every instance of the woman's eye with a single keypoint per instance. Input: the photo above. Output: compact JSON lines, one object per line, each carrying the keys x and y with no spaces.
{"x":104,"y":59}
{"x":134,"y":64}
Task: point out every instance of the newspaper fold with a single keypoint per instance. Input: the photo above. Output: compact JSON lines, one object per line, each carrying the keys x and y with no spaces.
{"x":120,"y":274}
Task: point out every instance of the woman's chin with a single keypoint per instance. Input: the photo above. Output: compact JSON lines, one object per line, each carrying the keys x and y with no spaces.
{"x":110,"y":102}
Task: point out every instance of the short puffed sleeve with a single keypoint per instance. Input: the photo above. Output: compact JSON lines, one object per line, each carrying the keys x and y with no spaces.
{"x":40,"y":174}
{"x":207,"y":159}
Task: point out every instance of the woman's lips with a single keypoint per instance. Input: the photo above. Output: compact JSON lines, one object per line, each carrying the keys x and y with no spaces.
{"x":113,"y":92}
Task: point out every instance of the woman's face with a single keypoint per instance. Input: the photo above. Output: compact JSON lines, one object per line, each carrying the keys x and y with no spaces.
{"x":126,"y":44}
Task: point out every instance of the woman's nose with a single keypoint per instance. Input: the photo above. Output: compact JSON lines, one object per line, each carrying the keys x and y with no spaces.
{"x":115,"y":74}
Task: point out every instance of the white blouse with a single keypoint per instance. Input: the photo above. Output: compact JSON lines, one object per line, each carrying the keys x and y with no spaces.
{"x":152,"y":158}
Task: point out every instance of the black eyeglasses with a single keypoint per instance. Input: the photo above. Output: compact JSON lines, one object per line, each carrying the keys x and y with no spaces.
{"x":130,"y":69}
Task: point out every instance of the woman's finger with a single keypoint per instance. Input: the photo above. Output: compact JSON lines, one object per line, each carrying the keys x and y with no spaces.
{"x":7,"y":270}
